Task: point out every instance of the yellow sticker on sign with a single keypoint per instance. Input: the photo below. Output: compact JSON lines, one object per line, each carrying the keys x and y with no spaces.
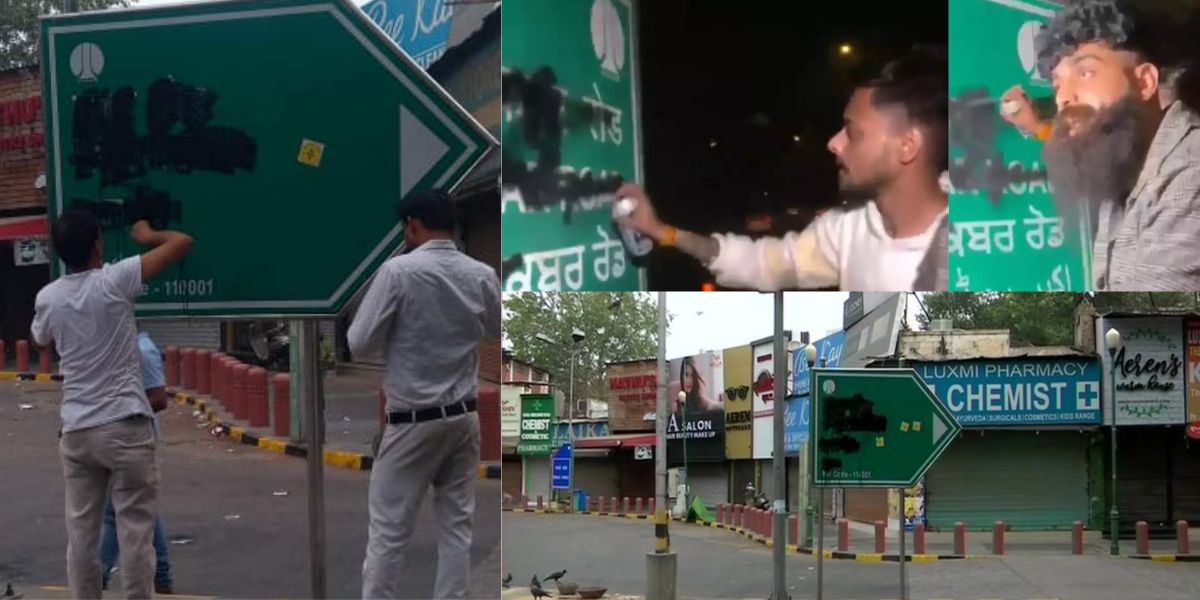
{"x":916,"y":425}
{"x":879,"y":442}
{"x":311,"y":153}
{"x":904,"y":426}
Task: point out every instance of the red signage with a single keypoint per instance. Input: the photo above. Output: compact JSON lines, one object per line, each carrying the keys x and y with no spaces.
{"x":20,"y":114}
{"x":1193,"y":430}
{"x":632,"y":382}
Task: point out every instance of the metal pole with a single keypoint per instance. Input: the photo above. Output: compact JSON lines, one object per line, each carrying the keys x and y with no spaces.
{"x":813,"y":432}
{"x":571,"y":434}
{"x":1114,"y":517}
{"x":661,"y":565}
{"x":662,"y":536}
{"x":308,"y":371}
{"x":780,"y":504}
{"x":903,"y":572}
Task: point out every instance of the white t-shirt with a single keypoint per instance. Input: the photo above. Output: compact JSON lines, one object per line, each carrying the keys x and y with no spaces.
{"x":848,"y":249}
{"x":89,"y":318}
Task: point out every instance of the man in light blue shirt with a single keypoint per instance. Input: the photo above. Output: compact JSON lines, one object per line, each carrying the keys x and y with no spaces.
{"x":155,"y":381}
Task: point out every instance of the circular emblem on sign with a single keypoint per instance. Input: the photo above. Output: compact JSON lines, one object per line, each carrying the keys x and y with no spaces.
{"x":608,"y":40}
{"x":87,"y":61}
{"x":1027,"y":50}
{"x":829,"y":386}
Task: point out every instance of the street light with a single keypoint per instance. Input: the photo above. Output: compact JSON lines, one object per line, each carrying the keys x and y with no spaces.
{"x":682,"y":397}
{"x":845,"y":49}
{"x":1112,"y":340}
{"x":810,"y":356}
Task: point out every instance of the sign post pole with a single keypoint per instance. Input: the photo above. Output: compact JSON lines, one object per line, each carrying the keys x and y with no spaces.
{"x":903,"y":572}
{"x":812,"y":445}
{"x":308,"y":372}
{"x":780,"y":504}
{"x":875,"y":428}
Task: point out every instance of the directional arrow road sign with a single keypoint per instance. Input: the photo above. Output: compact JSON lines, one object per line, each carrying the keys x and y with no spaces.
{"x":279,"y":133}
{"x":876,"y":428}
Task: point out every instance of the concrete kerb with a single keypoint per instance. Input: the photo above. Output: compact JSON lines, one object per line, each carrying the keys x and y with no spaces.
{"x":27,"y":376}
{"x":338,"y":458}
{"x":830,"y":554}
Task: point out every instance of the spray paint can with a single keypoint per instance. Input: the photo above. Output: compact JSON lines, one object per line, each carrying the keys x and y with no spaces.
{"x":635,"y":243}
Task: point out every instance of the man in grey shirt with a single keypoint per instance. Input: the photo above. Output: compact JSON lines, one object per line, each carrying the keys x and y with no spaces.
{"x":427,"y":311}
{"x":1130,"y":161}
{"x":107,"y":428}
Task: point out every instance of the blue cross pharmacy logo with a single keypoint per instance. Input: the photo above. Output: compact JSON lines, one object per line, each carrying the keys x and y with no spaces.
{"x":1087,"y":395}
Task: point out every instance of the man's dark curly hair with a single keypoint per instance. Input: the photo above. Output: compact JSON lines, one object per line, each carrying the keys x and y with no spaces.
{"x":1157,"y":31}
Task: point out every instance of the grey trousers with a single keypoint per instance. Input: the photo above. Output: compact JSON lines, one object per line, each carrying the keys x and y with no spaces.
{"x":444,"y":454}
{"x":119,"y":455}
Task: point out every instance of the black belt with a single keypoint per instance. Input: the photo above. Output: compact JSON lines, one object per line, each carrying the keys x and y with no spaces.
{"x":429,"y":414}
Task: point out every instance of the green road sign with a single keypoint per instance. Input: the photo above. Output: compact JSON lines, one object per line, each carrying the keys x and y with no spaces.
{"x":537,"y":425}
{"x":571,"y":135}
{"x":1006,"y":232}
{"x":876,"y":428}
{"x":279,"y":133}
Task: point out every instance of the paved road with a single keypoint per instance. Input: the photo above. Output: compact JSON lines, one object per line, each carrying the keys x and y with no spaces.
{"x":245,"y":541}
{"x":717,"y":564}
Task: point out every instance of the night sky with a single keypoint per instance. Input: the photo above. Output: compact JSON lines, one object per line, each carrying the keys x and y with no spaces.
{"x":750,"y":75}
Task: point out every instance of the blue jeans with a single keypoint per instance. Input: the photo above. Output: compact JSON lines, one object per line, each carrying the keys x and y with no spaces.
{"x":109,"y":549}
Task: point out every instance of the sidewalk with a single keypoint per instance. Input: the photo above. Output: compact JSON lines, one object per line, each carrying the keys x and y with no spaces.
{"x":352,"y":406}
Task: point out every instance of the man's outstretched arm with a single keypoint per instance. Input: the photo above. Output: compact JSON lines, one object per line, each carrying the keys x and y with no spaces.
{"x":795,"y":260}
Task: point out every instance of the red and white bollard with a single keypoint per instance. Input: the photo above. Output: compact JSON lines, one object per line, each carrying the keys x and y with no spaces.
{"x":625,"y":506}
{"x":22,"y":356}
{"x":638,"y":505}
{"x":960,"y":538}
{"x":1141,"y":531}
{"x":880,"y":537}
{"x":843,"y":535}
{"x":241,"y":406}
{"x":1183,"y":544}
{"x":998,"y":537}
{"x":919,"y":538}
{"x":1077,"y":538}
{"x":187,"y":361}
{"x":256,"y":397}
{"x":45,"y":359}
{"x":203,"y":372}
{"x":172,"y":364}
{"x":794,"y":530}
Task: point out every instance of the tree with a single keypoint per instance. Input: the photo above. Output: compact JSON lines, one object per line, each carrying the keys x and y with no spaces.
{"x":1039,"y":319}
{"x":19,"y":27}
{"x":1146,"y":301}
{"x":614,"y":331}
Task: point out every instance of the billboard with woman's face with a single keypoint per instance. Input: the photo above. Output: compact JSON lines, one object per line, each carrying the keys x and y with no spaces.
{"x":696,"y":422}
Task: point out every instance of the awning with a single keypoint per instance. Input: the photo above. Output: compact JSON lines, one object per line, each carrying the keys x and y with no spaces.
{"x":628,"y":440}
{"x":12,"y":228}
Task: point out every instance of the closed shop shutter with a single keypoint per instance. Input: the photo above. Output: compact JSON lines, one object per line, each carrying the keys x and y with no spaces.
{"x":1185,"y":478}
{"x":1028,"y":479}
{"x":537,"y":477}
{"x":743,"y":473}
{"x":183,"y":333}
{"x":709,"y":481}
{"x":510,"y":478}
{"x":866,"y":505}
{"x":597,"y":476}
{"x":1143,"y":471}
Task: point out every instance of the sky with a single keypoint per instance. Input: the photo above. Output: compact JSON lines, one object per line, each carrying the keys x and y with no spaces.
{"x":719,"y":320}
